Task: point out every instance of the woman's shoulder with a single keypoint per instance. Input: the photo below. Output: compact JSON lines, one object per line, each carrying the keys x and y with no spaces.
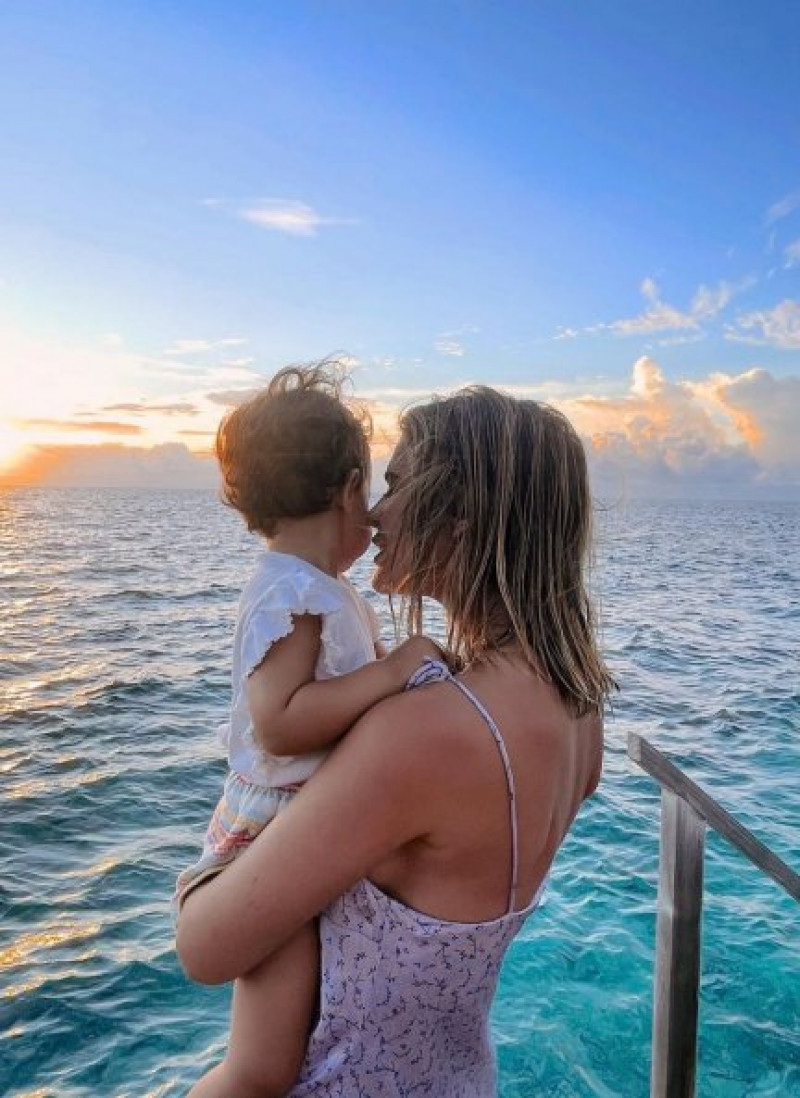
{"x":417,"y":729}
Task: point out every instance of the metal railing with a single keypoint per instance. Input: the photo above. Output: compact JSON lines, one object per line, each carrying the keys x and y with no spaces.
{"x":686,"y":812}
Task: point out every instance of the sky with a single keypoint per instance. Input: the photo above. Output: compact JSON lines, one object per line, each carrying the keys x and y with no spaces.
{"x":593,"y":204}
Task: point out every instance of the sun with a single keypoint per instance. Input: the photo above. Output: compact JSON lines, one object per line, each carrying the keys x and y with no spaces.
{"x":13,"y":443}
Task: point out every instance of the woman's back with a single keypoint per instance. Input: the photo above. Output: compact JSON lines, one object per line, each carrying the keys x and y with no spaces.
{"x":407,"y":985}
{"x":462,"y":869}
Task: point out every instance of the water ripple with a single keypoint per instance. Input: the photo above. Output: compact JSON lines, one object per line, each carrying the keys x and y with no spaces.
{"x":115,"y":641}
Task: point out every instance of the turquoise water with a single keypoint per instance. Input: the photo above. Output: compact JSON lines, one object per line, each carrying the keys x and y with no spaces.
{"x":116,"y":628}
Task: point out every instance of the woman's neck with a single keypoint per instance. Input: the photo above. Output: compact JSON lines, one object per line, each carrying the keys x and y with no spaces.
{"x":314,"y":539}
{"x":498,"y":632}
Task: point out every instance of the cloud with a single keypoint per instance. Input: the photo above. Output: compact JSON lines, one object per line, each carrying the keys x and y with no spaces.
{"x":707,"y":302}
{"x":282,"y":215}
{"x":201,"y":346}
{"x":776,"y":327}
{"x":634,"y":465}
{"x":658,"y":317}
{"x":449,"y":347}
{"x":731,"y":436}
{"x":787,"y":205}
{"x":452,"y":342}
{"x":652,"y":409}
{"x":230,"y":398}
{"x":171,"y":465}
{"x":222,"y":375}
{"x":188,"y":347}
{"x":294,"y":218}
{"x":106,"y":427}
{"x":764,"y":411}
{"x":142,"y":407}
{"x":238,"y":363}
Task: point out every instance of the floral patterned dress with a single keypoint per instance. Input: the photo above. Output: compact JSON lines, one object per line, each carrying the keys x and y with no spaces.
{"x":405,"y":997}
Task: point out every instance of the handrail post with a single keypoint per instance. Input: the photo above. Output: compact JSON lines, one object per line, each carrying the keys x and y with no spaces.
{"x":678,"y":934}
{"x":686,"y":812}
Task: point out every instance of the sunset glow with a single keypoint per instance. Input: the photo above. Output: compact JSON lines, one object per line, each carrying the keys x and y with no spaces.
{"x":175,"y":234}
{"x":12,"y":446}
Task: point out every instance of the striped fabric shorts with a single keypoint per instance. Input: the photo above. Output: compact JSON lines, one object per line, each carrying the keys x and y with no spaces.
{"x":243,"y":810}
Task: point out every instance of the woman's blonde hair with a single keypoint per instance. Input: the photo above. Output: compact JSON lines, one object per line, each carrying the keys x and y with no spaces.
{"x":286,"y":451}
{"x":497,"y":495}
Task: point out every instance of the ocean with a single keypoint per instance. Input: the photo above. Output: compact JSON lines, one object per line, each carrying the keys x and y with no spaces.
{"x":116,"y":628}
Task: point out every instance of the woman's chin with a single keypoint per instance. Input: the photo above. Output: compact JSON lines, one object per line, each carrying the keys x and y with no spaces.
{"x":386,"y":581}
{"x":383,"y":579}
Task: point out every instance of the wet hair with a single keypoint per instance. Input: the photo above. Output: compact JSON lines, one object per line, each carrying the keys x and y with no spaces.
{"x":287,"y":450}
{"x":496,"y":493}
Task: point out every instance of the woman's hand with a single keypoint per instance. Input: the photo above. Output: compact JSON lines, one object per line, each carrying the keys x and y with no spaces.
{"x":408,"y":656}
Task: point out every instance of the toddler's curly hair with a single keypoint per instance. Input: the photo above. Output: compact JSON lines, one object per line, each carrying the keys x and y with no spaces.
{"x":286,"y":451}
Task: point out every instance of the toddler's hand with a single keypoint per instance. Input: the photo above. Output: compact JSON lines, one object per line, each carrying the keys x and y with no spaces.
{"x":407,"y":657}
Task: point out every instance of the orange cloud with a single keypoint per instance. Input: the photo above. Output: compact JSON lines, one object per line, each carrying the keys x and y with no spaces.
{"x":726,"y":434}
{"x":105,"y":427}
{"x":765,"y":410}
{"x":656,"y":418}
{"x":171,"y":465}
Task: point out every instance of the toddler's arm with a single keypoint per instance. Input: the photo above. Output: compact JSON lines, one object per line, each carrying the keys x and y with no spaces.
{"x":294,"y":713}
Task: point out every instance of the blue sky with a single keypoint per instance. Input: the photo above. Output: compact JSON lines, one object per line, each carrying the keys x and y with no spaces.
{"x":529,"y":195}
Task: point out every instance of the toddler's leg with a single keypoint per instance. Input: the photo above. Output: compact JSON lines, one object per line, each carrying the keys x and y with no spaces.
{"x":273,"y":1008}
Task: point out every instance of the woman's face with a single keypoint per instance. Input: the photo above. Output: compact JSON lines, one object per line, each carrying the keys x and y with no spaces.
{"x":392,"y":564}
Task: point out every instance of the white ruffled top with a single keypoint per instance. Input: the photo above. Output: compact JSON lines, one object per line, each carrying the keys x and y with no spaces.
{"x":282,"y":587}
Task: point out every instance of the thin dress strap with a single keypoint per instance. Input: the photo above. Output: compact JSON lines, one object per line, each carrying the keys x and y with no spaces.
{"x":437,"y":671}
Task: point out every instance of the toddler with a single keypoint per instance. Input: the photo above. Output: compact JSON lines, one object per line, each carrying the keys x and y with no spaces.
{"x":295,"y":463}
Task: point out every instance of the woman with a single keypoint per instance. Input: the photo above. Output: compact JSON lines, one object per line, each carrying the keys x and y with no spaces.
{"x":425,"y":839}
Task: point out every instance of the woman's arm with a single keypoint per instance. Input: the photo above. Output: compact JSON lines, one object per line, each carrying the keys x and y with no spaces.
{"x":293,"y":713}
{"x":368,"y":799}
